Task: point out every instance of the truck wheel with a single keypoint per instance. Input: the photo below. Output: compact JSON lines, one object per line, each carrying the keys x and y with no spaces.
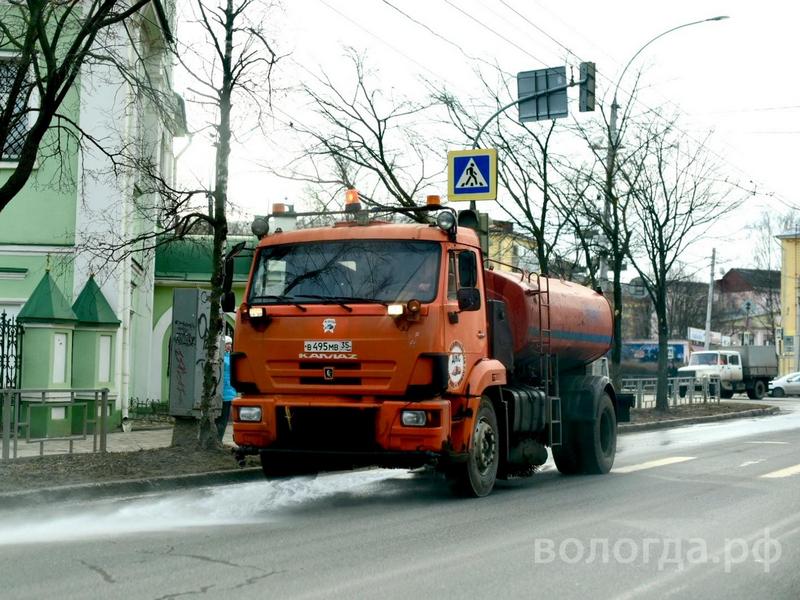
{"x":566,"y":455}
{"x":599,"y":439}
{"x":727,"y":394}
{"x":475,"y":478}
{"x":758,"y":390}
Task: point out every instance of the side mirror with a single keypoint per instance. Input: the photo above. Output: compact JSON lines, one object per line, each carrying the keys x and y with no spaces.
{"x":227,"y":278}
{"x":469,"y":298}
{"x":228,"y":301}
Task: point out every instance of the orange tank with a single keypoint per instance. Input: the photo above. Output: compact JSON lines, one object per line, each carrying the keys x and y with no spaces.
{"x":580,"y":323}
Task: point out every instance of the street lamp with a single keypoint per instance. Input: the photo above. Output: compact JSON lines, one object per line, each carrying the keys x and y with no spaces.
{"x":613,"y":134}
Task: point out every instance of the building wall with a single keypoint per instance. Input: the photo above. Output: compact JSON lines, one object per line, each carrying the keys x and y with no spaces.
{"x":790,"y":249}
{"x":85,"y":200}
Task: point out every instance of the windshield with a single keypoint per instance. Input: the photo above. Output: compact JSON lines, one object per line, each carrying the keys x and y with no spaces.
{"x":348,"y":270}
{"x":704,"y":358}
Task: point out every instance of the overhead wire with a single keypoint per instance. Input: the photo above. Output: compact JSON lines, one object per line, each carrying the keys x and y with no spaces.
{"x":651,"y":110}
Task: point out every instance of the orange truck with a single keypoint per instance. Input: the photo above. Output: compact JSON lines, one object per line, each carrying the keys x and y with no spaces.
{"x":372,"y":342}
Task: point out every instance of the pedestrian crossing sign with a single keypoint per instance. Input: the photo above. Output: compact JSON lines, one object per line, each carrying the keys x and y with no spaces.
{"x":472,"y":174}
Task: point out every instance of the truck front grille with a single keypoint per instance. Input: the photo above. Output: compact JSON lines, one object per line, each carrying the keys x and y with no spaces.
{"x":333,"y":429}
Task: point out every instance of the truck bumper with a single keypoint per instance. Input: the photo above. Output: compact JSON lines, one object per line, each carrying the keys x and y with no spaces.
{"x":370,"y":432}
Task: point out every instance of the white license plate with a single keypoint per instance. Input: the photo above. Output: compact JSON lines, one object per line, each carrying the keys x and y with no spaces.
{"x":328,"y":346}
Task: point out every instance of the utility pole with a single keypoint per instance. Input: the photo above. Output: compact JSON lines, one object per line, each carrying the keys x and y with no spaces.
{"x":707,"y":339}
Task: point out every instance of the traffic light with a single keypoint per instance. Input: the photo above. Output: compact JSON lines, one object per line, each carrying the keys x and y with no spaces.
{"x":478,"y":221}
{"x":586,"y":98}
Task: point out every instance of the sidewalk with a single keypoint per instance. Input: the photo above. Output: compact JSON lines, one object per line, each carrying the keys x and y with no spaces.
{"x":116,"y":441}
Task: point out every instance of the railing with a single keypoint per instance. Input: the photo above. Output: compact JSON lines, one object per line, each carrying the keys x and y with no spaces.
{"x":680,"y":390}
{"x":17,"y":427}
{"x":149,"y":411}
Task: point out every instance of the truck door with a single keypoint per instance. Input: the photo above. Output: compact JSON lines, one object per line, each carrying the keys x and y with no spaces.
{"x":735,"y":368}
{"x":465,"y":327}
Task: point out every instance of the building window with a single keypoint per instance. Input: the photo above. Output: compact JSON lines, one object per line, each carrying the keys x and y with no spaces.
{"x":9,"y":67}
{"x":104,"y":366}
{"x":60,"y":358}
{"x":788,"y":345}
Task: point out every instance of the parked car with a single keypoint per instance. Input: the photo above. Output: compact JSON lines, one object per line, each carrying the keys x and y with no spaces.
{"x":788,"y":385}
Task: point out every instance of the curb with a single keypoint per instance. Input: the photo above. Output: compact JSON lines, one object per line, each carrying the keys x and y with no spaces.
{"x":742,"y":414}
{"x":129,"y":486}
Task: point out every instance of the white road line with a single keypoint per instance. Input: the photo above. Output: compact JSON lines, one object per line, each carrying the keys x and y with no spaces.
{"x":776,"y":443}
{"x":787,"y":472}
{"x":747,"y":463}
{"x":661,"y":462}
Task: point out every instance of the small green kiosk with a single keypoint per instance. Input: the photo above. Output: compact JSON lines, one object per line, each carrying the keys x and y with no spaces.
{"x":93,"y":349}
{"x":49,"y":324}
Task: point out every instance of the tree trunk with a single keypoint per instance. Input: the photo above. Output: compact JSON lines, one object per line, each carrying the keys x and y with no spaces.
{"x":662,"y":399}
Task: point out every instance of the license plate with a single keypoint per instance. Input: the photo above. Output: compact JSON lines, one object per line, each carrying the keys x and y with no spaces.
{"x":328,"y":346}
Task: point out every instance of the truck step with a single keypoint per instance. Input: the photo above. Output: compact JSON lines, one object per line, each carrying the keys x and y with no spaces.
{"x":555,"y":429}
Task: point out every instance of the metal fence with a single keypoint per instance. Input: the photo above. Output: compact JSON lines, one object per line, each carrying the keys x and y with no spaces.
{"x":149,"y":411}
{"x":10,"y":351}
{"x":19,"y":404}
{"x":680,"y":390}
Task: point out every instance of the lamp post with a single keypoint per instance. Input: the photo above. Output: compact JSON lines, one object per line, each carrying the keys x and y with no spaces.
{"x":613,"y":134}
{"x":611,"y":157}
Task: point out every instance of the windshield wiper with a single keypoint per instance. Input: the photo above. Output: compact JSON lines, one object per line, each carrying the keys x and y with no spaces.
{"x":283,"y":299}
{"x":328,"y":300}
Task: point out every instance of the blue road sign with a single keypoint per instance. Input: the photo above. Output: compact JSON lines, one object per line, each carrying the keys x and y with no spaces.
{"x":472,"y":174}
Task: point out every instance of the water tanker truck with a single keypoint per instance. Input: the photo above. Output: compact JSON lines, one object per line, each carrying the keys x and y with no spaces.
{"x":370,"y":342}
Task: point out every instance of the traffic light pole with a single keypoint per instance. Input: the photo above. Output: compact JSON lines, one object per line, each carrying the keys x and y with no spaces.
{"x":501,"y":110}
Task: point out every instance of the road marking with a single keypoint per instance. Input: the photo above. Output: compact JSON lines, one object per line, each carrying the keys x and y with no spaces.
{"x":776,"y":443}
{"x":747,"y":463}
{"x":787,"y":472}
{"x":662,"y":462}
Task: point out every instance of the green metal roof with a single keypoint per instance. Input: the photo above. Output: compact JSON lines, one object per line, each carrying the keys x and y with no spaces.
{"x":189,"y":259}
{"x":91,"y":306}
{"x":46,"y":304}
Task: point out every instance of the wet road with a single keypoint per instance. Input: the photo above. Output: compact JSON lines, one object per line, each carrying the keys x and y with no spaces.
{"x":709,"y":511}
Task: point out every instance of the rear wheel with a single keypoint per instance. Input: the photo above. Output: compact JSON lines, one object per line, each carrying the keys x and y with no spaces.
{"x":476,"y":477}
{"x":598,"y":442}
{"x":758,"y":390}
{"x":727,"y":394}
{"x":566,"y":455}
{"x":589,"y":447}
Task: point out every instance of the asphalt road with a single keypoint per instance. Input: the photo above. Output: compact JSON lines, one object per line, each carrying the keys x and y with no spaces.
{"x":708,"y":511}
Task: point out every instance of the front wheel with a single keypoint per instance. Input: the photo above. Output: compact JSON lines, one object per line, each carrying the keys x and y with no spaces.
{"x":476,"y":477}
{"x":778,"y":393}
{"x":727,"y":394}
{"x":599,"y":439}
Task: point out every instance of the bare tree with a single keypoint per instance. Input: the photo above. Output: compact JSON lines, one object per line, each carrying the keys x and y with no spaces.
{"x":675,"y":196}
{"x":767,"y":256}
{"x":230,"y":61}
{"x":49,"y":42}
{"x":364,"y":139}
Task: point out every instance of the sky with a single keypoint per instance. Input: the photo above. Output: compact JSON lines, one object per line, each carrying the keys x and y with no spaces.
{"x":734,"y":78}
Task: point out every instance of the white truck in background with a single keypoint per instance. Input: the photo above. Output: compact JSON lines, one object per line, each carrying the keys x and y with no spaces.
{"x":739,"y":368}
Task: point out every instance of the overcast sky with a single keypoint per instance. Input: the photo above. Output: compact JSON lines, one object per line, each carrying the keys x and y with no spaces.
{"x":735,"y":77}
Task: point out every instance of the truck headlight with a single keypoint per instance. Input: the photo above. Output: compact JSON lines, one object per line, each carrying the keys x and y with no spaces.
{"x":414,"y":418}
{"x":250,"y":413}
